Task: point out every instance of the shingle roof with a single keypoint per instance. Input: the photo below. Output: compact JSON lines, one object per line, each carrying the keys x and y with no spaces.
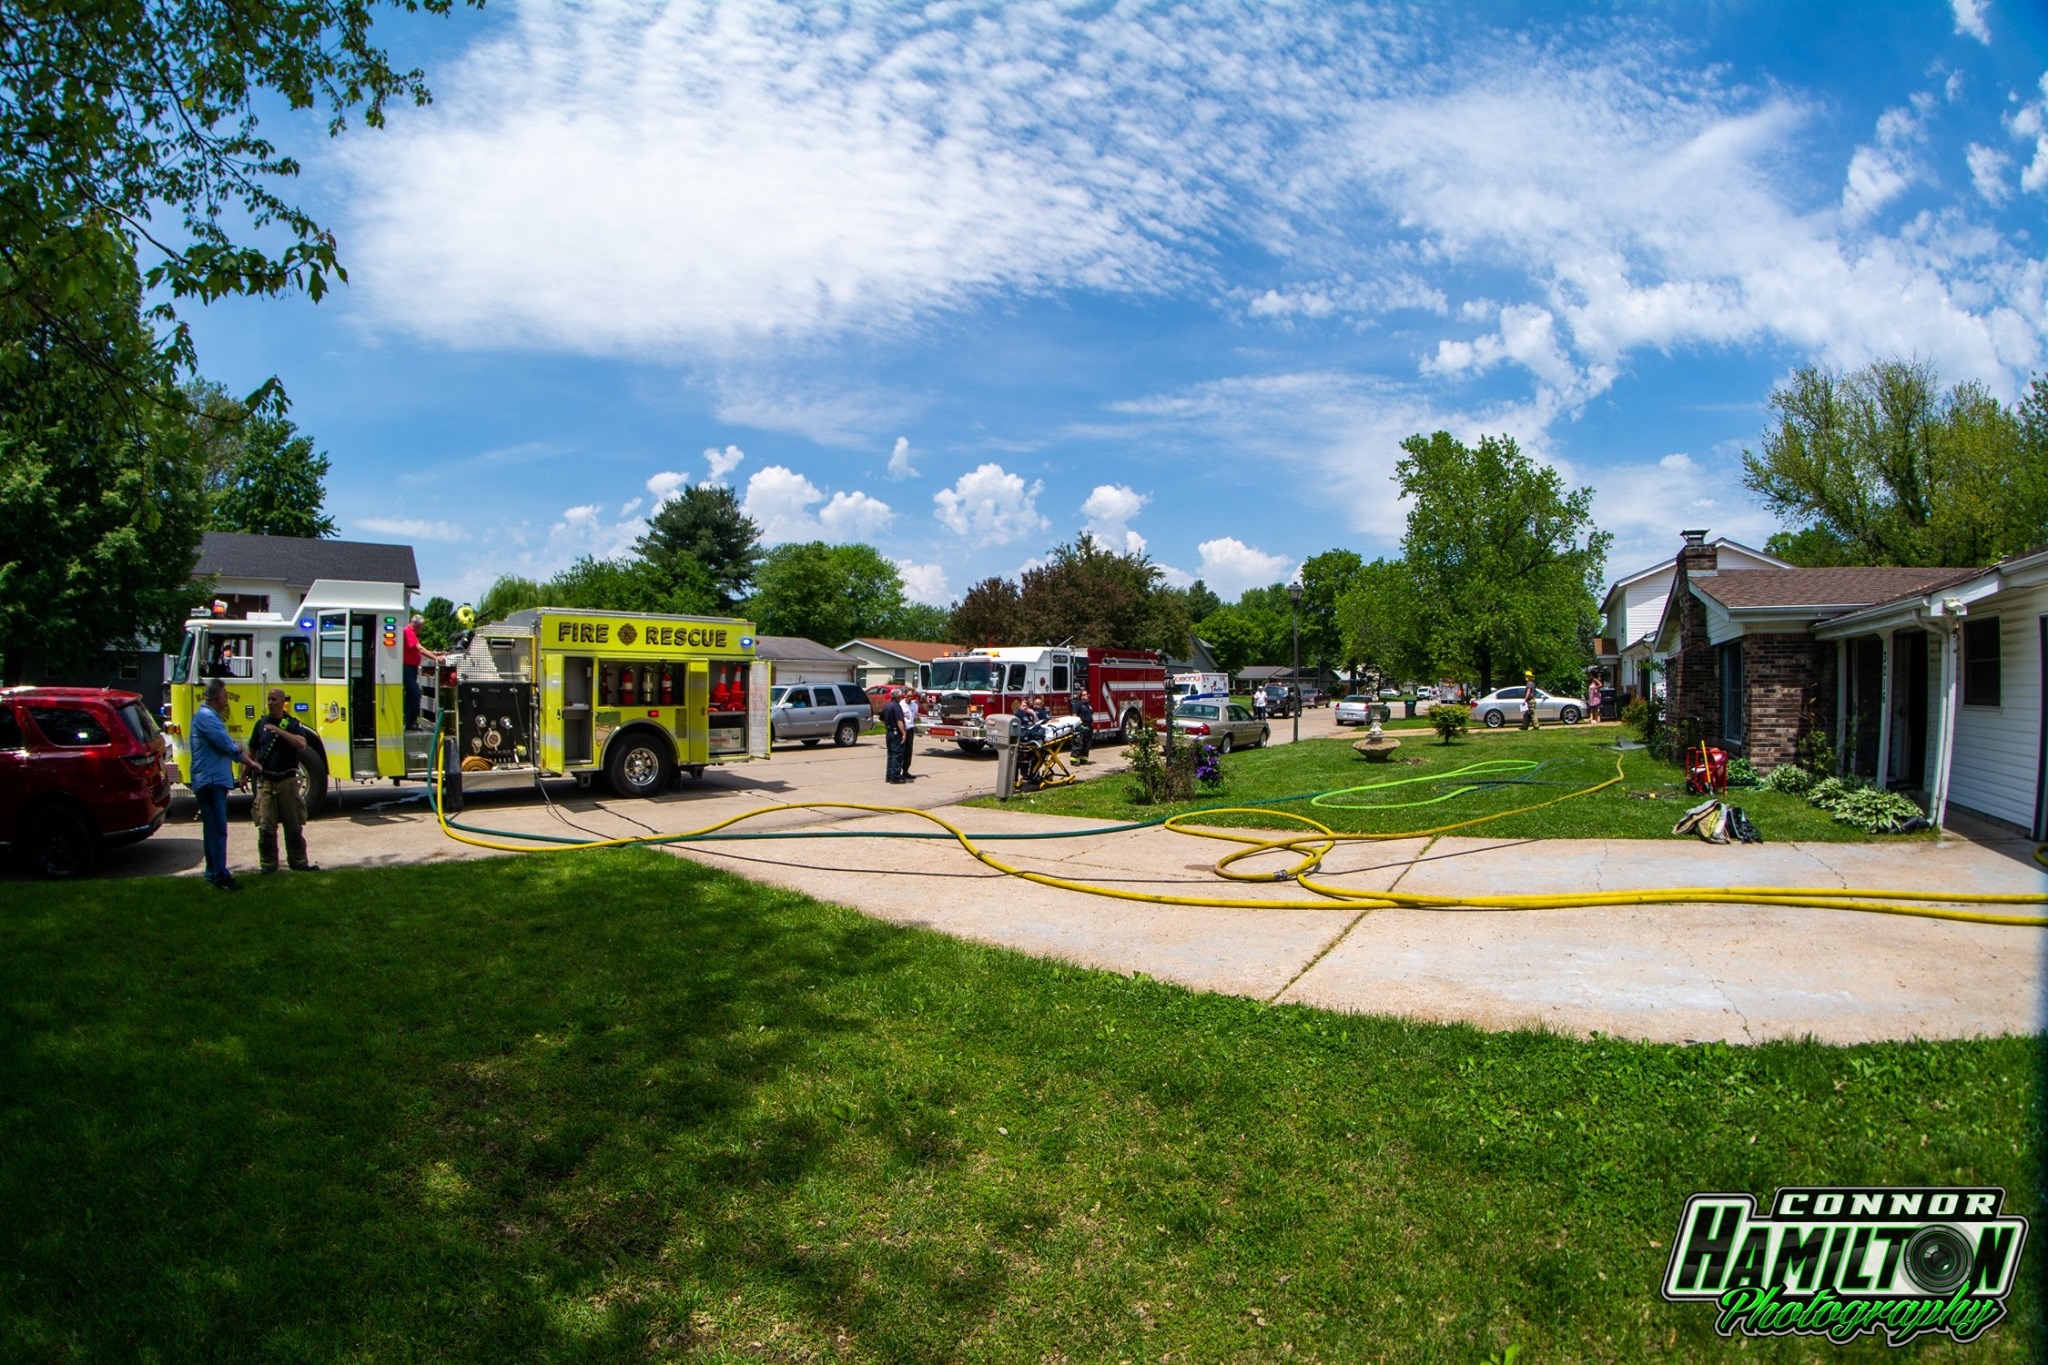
{"x":292,"y":559}
{"x":791,"y":648}
{"x":923,"y":651}
{"x":1837,"y":590}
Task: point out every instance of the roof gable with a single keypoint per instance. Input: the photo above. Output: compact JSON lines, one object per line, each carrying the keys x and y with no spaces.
{"x":916,"y":651}
{"x":1823,"y":591}
{"x":303,"y":560}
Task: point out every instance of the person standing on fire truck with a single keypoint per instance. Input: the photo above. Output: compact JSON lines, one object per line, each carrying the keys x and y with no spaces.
{"x":414,"y":651}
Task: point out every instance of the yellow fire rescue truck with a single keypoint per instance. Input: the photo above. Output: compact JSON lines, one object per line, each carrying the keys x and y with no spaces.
{"x":543,"y":693}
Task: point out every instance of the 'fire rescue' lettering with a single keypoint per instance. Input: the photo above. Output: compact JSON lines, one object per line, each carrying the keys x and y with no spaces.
{"x":656,"y":637}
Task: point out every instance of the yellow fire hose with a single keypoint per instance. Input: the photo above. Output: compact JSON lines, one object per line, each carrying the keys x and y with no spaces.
{"x":1320,"y":839}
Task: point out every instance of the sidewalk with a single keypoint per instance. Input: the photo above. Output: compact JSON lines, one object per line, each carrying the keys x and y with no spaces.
{"x":1677,"y":973}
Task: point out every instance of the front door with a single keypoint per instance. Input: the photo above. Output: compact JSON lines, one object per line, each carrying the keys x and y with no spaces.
{"x":1908,"y":767}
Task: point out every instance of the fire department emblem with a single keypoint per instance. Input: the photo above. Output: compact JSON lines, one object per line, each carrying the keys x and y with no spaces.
{"x":627,"y":635}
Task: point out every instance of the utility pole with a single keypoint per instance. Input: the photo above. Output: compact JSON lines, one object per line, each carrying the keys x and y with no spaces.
{"x":1294,"y":596}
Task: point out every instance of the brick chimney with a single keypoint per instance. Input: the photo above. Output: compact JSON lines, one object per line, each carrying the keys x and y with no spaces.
{"x":1696,"y":558}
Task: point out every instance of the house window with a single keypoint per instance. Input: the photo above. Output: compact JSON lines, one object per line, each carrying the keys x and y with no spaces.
{"x":1733,"y":694}
{"x":1980,"y":662}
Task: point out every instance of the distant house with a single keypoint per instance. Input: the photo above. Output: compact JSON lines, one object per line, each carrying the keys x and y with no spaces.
{"x":891,"y":661}
{"x":1201,"y":658}
{"x":798,"y":659}
{"x":272,"y":573}
{"x":1745,"y":667}
{"x":1634,"y":607}
{"x":251,"y":574}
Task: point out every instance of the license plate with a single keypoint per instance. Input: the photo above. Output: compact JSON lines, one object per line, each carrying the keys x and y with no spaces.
{"x":941,"y":732}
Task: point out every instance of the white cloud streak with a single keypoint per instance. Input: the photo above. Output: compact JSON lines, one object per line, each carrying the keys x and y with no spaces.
{"x":406,"y":528}
{"x":1229,"y":566}
{"x":780,"y":500}
{"x":899,"y":460}
{"x":1970,"y":20}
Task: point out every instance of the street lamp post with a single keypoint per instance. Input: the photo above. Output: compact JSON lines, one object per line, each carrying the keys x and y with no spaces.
{"x":1294,"y":596}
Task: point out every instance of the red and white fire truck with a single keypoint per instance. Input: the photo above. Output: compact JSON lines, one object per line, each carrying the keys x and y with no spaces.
{"x":1126,"y":688}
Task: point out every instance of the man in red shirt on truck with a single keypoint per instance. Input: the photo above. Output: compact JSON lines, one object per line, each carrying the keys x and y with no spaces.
{"x":414,"y":651}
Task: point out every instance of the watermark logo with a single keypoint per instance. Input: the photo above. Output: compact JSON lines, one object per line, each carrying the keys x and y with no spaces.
{"x":1839,"y":1261}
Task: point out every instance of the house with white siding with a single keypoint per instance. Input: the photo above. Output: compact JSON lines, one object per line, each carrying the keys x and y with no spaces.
{"x":1634,"y":607}
{"x":1956,"y":674}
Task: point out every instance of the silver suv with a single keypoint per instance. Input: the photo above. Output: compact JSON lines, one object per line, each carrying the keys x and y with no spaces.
{"x":818,"y":710}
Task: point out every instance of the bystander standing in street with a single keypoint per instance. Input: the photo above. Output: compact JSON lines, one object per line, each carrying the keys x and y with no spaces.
{"x":276,"y":743}
{"x":1259,"y":702}
{"x":1084,"y":738}
{"x":909,"y":730}
{"x":893,"y":736}
{"x":214,"y":753}
{"x":1528,"y":699}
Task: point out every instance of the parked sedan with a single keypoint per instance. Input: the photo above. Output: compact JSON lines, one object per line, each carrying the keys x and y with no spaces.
{"x":1224,"y":724}
{"x":1504,"y":707}
{"x":1355,"y":709}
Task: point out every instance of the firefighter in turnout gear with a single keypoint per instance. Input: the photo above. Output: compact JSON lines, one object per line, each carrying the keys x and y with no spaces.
{"x":274,"y":746}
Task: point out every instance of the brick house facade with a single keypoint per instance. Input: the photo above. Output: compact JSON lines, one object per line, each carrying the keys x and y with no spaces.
{"x":1744,"y":669}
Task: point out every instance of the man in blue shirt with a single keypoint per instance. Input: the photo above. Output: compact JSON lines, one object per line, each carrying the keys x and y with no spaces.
{"x":214,"y":753}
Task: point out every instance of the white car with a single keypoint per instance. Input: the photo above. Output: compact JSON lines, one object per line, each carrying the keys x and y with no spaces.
{"x":1355,"y":709}
{"x":1504,"y":707}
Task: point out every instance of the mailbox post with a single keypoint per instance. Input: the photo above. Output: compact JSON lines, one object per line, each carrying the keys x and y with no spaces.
{"x":1003,"y":733}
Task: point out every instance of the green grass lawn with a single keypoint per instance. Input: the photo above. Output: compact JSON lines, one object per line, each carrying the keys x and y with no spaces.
{"x":1559,"y":759}
{"x":616,"y":1106}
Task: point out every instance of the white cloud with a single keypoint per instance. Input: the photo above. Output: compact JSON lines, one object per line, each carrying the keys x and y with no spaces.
{"x":630,"y":506}
{"x":1645,"y":504}
{"x":1988,"y":166}
{"x":1109,"y":510}
{"x":721,"y":463}
{"x":780,"y":500}
{"x":410,"y":529}
{"x":2031,"y":121}
{"x":925,"y":583}
{"x":1880,"y":172}
{"x":1970,"y":20}
{"x":899,"y":460}
{"x":990,"y":503}
{"x":1229,"y":566}
{"x":583,"y":530}
{"x":666,"y":487}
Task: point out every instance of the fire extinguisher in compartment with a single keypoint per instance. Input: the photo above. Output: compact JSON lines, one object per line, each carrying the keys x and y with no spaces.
{"x":668,"y":685}
{"x":626,"y":695}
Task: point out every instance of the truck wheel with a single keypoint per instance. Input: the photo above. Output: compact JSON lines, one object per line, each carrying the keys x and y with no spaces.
{"x":970,"y":746}
{"x":1133,"y":723}
{"x":637,"y":767}
{"x":846,"y":734}
{"x":313,"y":780}
{"x":59,"y":844}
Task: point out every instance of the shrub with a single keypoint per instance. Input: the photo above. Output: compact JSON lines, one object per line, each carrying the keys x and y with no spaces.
{"x":1790,"y":779}
{"x":1829,"y":791}
{"x":1450,"y":720}
{"x":1158,"y":775}
{"x":1742,"y":773}
{"x":1874,"y":811}
{"x":1640,"y":716}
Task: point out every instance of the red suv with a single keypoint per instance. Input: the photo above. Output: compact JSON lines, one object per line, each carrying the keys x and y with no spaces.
{"x":80,"y":767}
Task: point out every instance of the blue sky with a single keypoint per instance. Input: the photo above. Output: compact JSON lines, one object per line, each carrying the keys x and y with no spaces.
{"x":963,"y":280}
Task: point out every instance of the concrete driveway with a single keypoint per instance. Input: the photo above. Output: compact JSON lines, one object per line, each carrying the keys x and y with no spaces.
{"x":1672,"y":973}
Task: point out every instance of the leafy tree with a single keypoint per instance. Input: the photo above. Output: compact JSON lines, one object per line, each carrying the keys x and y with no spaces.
{"x":921,"y":621}
{"x":1879,"y":466}
{"x":705,"y":527}
{"x":1238,"y":636}
{"x":592,"y":584}
{"x":827,"y":593}
{"x":276,"y":485}
{"x":101,"y":497}
{"x":509,"y":594}
{"x":1811,"y":547}
{"x":1504,"y":562}
{"x":1091,"y":596}
{"x":1324,"y":580}
{"x":437,"y":623}
{"x":1383,"y":623}
{"x":987,"y":614}
{"x":116,"y":112}
{"x":1201,"y":600}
